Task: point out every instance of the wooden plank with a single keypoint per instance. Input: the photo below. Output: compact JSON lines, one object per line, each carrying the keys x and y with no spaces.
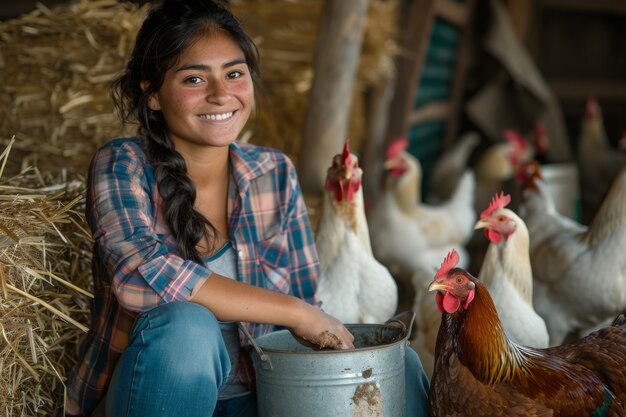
{"x":430,"y":112}
{"x":578,"y":89}
{"x":520,"y":14}
{"x":336,"y":60}
{"x":590,"y":6}
{"x":458,"y":82}
{"x":377,"y":102}
{"x":452,"y":12}
{"x":416,"y":23}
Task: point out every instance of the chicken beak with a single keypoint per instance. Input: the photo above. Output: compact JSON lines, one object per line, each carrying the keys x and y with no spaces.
{"x":481,"y":224}
{"x":438,"y":286}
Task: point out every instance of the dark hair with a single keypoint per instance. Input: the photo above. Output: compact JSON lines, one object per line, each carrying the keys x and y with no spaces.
{"x":166,"y":32}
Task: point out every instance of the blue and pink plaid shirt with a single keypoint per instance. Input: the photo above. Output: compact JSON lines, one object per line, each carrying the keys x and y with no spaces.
{"x":136,"y":265}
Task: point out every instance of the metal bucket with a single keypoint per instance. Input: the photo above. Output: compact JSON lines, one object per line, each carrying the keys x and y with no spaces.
{"x":293,"y":380}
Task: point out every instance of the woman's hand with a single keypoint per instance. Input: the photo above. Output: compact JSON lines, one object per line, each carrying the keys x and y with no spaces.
{"x":316,"y":329}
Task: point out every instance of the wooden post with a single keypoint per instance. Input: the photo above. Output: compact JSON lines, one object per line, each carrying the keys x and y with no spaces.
{"x":378,"y":100}
{"x":335,"y":65}
{"x":416,"y":20}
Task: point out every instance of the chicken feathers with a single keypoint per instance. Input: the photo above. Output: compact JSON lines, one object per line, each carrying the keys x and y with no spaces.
{"x":579,"y":271}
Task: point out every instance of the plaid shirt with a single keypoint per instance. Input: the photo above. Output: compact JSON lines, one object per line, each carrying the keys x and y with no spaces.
{"x":136,"y":265}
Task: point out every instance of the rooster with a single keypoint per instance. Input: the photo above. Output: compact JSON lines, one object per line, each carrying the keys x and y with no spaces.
{"x":506,"y":271}
{"x":480,"y":372}
{"x":353,"y":285}
{"x":599,"y":163}
{"x":409,"y":234}
{"x":579,"y":270}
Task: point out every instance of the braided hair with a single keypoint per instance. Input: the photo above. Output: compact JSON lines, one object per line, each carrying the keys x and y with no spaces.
{"x":167,"y":31}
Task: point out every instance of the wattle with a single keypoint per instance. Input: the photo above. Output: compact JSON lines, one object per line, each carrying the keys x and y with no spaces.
{"x":447,"y":302}
{"x":494,"y":237}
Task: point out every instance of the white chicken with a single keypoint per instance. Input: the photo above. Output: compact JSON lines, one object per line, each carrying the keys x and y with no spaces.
{"x":408,"y":233}
{"x":450,"y":167}
{"x":494,"y":167}
{"x":579,"y":271}
{"x":598,"y":162}
{"x":353,"y":286}
{"x":506,"y":272}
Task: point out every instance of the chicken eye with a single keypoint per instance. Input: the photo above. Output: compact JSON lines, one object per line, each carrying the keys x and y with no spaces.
{"x":501,"y":218}
{"x":459,"y":280}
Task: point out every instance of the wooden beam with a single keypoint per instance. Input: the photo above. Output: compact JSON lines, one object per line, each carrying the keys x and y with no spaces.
{"x":595,"y":6}
{"x":458,"y":81}
{"x":520,"y":14}
{"x":433,"y":111}
{"x":336,"y":60}
{"x":579,"y":89}
{"x":453,"y":13}
{"x":377,"y":101}
{"x":416,"y":21}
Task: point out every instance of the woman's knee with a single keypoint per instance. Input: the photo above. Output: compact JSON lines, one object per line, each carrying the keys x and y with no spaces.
{"x":185,"y":318}
{"x":186,"y":335}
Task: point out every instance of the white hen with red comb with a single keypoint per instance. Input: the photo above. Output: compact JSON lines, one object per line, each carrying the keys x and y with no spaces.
{"x":413,"y":236}
{"x":353,"y":287}
{"x":506,"y":271}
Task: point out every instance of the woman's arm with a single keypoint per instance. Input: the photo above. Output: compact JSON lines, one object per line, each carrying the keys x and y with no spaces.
{"x":231,"y":300}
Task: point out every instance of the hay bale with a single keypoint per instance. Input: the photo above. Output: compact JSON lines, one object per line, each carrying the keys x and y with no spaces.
{"x":55,"y":73}
{"x":44,"y":289}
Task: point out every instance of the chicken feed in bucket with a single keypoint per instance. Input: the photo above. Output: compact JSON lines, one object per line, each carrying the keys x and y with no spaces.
{"x":294,"y":380}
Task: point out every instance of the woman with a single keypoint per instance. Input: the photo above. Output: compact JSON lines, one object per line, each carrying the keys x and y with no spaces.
{"x":193,"y":232}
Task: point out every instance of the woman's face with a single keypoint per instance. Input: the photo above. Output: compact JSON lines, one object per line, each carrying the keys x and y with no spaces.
{"x":207,"y":96}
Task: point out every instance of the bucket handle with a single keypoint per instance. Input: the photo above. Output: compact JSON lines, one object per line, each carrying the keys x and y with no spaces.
{"x":256,"y":347}
{"x":396,"y":320}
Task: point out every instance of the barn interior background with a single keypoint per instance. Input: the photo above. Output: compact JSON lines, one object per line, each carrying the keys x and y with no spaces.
{"x":428,"y":70}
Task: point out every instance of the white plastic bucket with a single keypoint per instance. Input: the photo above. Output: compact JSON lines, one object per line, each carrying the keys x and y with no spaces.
{"x":562,"y":182}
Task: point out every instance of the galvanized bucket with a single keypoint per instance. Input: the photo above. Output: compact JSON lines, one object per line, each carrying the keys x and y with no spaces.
{"x":293,"y":380}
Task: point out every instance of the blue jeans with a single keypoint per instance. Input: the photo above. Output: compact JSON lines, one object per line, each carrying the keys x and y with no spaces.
{"x":176,"y":362}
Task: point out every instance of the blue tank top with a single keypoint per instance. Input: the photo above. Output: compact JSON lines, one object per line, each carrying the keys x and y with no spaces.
{"x":224,"y":262}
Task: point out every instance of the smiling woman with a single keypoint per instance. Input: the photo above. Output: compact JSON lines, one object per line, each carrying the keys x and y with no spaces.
{"x":192,"y":231}
{"x":196,"y":236}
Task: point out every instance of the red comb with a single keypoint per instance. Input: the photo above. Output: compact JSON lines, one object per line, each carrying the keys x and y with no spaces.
{"x":451,"y":260}
{"x":540,"y":130}
{"x":345,"y":157}
{"x":541,"y":139}
{"x":591,"y":107}
{"x":497,"y":202}
{"x":397,"y":146}
{"x":515,"y":138}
